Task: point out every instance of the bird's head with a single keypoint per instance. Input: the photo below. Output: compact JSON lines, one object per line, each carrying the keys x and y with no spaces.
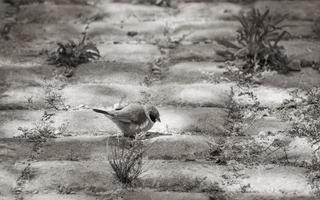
{"x":153,"y":113}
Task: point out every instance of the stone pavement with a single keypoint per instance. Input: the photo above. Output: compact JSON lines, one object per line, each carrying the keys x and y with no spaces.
{"x":191,"y":103}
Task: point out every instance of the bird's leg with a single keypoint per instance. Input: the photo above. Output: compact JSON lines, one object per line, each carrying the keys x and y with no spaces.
{"x":141,"y":136}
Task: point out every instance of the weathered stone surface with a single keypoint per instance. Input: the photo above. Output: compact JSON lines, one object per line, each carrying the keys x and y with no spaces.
{"x":135,"y":53}
{"x":51,"y":13}
{"x":8,"y":177}
{"x":109,"y":72}
{"x":178,"y":120}
{"x":306,"y":78}
{"x":171,"y":147}
{"x":132,"y":12}
{"x":54,"y":196}
{"x":263,"y":179}
{"x":23,"y":74}
{"x":86,"y":175}
{"x":295,"y":65}
{"x":17,"y":98}
{"x":13,"y":150}
{"x":299,"y":28}
{"x":128,"y":195}
{"x":266,"y":96}
{"x":193,"y":72}
{"x":302,"y":49}
{"x":196,"y":52}
{"x":149,"y":195}
{"x":193,"y":11}
{"x":10,"y":121}
{"x":202,"y":94}
{"x":147,"y":31}
{"x":308,"y":10}
{"x":77,"y":148}
{"x":182,"y":147}
{"x":101,"y":95}
{"x":199,"y":31}
{"x":267,"y":124}
{"x":11,"y":197}
{"x":171,"y":175}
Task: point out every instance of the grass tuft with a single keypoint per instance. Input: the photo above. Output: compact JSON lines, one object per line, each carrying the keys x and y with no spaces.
{"x":258,"y":43}
{"x":126,"y":162}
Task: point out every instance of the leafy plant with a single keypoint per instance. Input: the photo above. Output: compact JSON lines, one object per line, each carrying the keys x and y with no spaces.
{"x":314,"y":175}
{"x":72,"y":54}
{"x":53,"y":98}
{"x":127,"y":162}
{"x":43,"y":130}
{"x":304,"y":114}
{"x":258,"y":42}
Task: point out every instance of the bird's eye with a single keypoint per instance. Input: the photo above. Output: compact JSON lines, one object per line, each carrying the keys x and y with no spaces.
{"x":152,"y":117}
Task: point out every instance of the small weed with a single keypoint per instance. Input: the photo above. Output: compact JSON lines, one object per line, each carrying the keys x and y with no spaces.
{"x":72,"y":54}
{"x":314,"y":175}
{"x":162,"y":3}
{"x":245,"y":188}
{"x":65,"y":189}
{"x":235,"y":116}
{"x":156,"y":71}
{"x":304,"y":114}
{"x":43,"y":130}
{"x":167,"y":41}
{"x":26,"y":175}
{"x":72,"y":156}
{"x":30,"y":102}
{"x":242,"y":150}
{"x":127,"y":162}
{"x":258,"y":43}
{"x":53,"y":98}
{"x":241,"y":116}
{"x":239,"y":146}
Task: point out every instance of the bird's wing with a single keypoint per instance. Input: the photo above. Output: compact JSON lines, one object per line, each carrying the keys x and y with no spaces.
{"x":102,"y":111}
{"x":133,"y":113}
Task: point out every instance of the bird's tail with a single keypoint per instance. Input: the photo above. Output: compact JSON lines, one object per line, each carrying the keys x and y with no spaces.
{"x":102,"y":112}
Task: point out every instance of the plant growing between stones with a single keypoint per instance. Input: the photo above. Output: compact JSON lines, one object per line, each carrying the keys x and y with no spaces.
{"x":304,"y":114}
{"x":163,"y":3}
{"x":167,"y":41}
{"x":258,"y":43}
{"x":303,"y":111}
{"x":71,"y":54}
{"x":43,"y":130}
{"x":126,"y":162}
{"x":26,"y":175}
{"x":53,"y":98}
{"x":241,"y":116}
{"x":240,"y":147}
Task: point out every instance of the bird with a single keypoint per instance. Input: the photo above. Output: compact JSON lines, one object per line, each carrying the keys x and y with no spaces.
{"x":133,"y":118}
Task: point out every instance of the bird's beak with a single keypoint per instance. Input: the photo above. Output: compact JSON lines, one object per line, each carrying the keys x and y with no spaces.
{"x":158,"y":119}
